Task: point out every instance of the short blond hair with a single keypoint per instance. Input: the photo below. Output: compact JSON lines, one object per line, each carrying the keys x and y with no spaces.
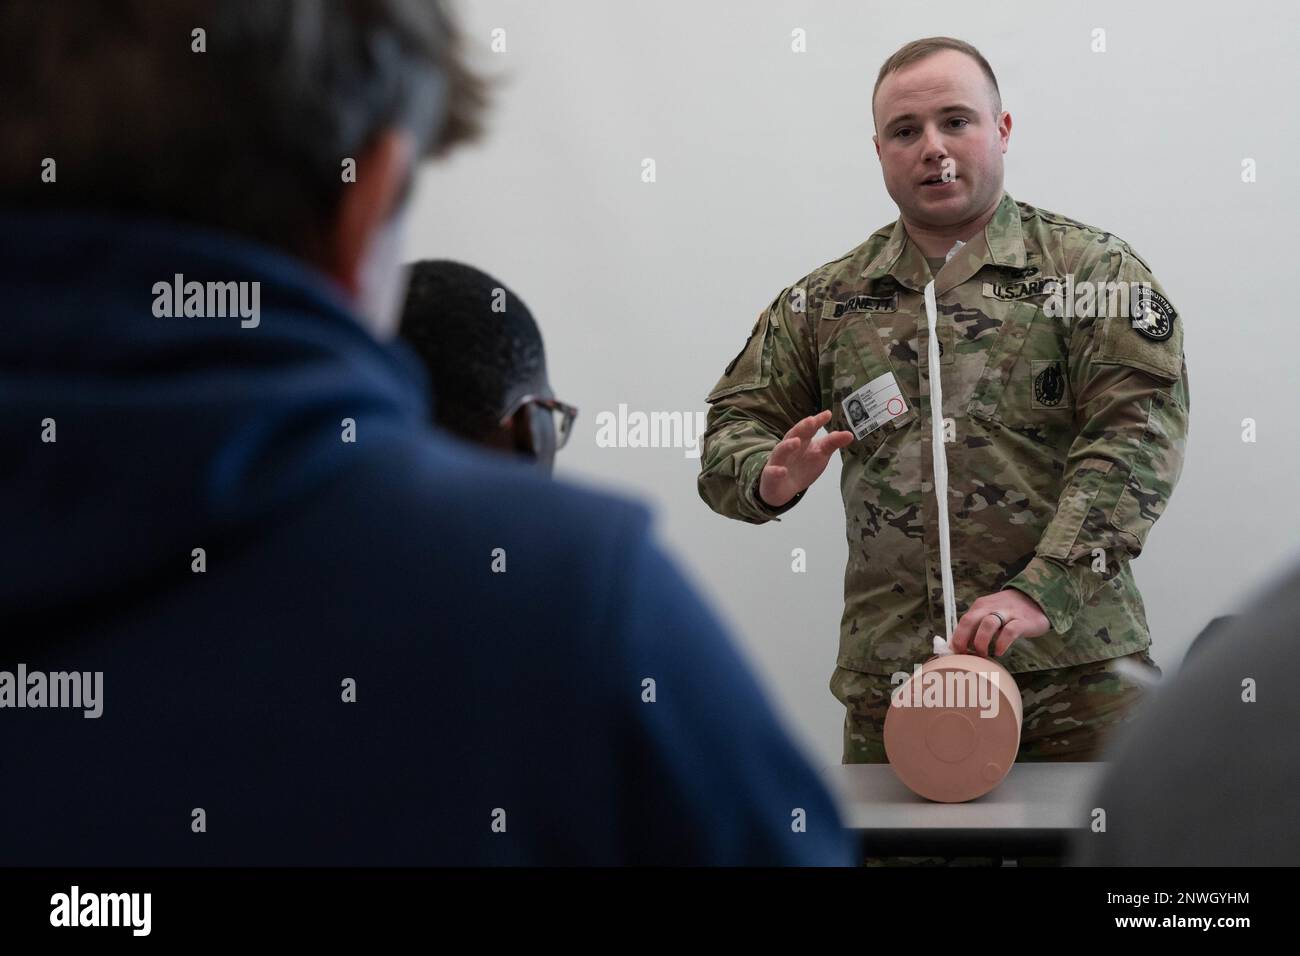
{"x":918,"y":50}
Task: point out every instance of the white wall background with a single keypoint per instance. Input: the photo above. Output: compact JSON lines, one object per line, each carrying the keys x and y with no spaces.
{"x":766,"y":170}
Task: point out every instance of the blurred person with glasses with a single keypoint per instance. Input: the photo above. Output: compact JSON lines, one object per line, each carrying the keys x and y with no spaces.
{"x":486,"y":362}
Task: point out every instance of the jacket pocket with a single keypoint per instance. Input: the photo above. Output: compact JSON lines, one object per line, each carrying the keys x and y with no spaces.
{"x":1004,"y":383}
{"x":1153,"y":471}
{"x":750,"y":369}
{"x":852,"y":358}
{"x":1073,"y":510}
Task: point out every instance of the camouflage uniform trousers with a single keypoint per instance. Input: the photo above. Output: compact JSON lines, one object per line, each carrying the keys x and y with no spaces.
{"x":1070,"y":713}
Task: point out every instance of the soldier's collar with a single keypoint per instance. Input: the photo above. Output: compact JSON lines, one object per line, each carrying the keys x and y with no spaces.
{"x":1003,"y":245}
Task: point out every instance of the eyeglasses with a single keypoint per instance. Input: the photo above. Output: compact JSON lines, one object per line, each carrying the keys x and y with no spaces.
{"x":562,"y":415}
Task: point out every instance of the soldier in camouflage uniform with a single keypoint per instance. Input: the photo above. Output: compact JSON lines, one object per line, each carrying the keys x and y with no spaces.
{"x":1065,"y":432}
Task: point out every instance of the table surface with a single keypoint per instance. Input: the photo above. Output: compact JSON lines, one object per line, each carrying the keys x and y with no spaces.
{"x":1039,"y":797}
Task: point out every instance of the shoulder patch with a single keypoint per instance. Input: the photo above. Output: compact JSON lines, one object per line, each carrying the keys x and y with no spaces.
{"x":1155,"y":315}
{"x":1152,"y":342}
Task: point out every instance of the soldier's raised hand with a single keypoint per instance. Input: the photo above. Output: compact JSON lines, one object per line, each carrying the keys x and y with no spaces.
{"x":799,"y":459}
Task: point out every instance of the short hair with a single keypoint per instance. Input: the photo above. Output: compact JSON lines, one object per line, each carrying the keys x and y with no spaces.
{"x":473,"y":354}
{"x":249,"y":136}
{"x":918,"y":50}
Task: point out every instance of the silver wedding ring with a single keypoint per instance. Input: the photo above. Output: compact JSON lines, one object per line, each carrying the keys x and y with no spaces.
{"x":1002,"y":621}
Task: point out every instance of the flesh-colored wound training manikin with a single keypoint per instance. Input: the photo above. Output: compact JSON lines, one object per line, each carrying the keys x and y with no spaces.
{"x":953,"y":728}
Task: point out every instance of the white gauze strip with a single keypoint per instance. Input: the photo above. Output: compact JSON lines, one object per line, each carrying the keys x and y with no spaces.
{"x":940,"y":462}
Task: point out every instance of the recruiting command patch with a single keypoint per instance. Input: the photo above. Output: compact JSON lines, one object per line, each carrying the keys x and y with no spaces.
{"x":1155,"y":315}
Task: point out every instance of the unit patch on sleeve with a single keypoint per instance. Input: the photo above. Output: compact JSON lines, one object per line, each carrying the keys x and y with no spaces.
{"x":1155,"y":316}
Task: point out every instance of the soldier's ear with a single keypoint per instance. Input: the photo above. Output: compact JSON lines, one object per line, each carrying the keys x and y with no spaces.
{"x":876,"y":140}
{"x":1004,"y":130}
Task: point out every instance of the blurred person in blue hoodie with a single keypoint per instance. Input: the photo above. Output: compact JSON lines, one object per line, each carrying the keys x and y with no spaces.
{"x":254,"y":612}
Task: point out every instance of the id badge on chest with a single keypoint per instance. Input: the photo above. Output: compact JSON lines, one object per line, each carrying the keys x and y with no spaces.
{"x":873,"y":405}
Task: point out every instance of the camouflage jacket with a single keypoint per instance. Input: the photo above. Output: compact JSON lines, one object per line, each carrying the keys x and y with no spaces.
{"x":1065,"y":430}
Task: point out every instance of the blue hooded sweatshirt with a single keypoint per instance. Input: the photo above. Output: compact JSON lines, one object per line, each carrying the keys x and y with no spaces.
{"x":324,"y":633}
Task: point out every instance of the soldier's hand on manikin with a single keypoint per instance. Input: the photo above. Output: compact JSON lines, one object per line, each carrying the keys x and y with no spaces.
{"x":799,"y":459}
{"x":980,"y":625}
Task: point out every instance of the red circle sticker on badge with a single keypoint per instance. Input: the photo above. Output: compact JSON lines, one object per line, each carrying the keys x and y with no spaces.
{"x":894,"y":406}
